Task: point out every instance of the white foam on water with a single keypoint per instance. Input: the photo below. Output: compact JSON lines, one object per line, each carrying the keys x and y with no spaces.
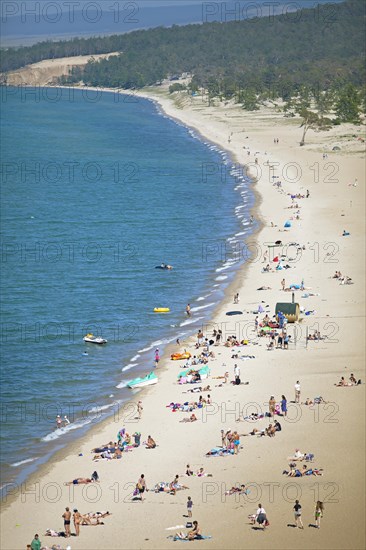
{"x":129,"y":366}
{"x":145,"y":349}
{"x":59,"y":432}
{"x":190,"y":321}
{"x":16,"y":464}
{"x":101,"y":408}
{"x":135,"y":357}
{"x":203,"y":307}
{"x":221,"y":278}
{"x":238,"y":234}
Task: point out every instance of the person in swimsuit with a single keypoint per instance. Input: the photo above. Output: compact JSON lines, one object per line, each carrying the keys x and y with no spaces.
{"x":297,"y":513}
{"x":319,"y":509}
{"x":77,"y":520}
{"x":67,"y":517}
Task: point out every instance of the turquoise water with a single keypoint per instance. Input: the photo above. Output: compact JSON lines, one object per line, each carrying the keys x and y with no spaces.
{"x":96,"y":191}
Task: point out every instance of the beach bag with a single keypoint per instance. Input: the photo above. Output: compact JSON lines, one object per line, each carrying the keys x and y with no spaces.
{"x":189,"y":525}
{"x":237,"y":380}
{"x":266,"y":523}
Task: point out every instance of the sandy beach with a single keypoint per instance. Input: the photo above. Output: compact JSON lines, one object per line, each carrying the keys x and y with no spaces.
{"x":334,"y":432}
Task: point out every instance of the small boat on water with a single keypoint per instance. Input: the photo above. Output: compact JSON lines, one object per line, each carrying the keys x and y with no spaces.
{"x":161,"y":310}
{"x":164,"y":266}
{"x":91,"y":339}
{"x":148,"y":380}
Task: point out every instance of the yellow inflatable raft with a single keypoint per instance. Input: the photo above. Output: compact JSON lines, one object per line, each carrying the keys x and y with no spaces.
{"x":161,"y":309}
{"x":179,"y":356}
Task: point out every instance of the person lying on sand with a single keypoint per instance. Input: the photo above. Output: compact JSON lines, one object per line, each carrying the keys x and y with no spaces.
{"x":237,"y":490}
{"x":202,"y":473}
{"x":305,"y":471}
{"x":79,"y":481}
{"x":150,"y":444}
{"x":94,"y":518}
{"x":192,"y":418}
{"x":257,"y":432}
{"x":343,"y":382}
{"x":264,"y":288}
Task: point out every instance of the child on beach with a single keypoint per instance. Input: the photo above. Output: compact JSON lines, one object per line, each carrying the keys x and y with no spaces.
{"x":189,"y":507}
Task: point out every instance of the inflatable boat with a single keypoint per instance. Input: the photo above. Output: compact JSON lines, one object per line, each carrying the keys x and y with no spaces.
{"x":94,"y":339}
{"x":161,"y":309}
{"x":148,"y":380}
{"x":180,"y":356}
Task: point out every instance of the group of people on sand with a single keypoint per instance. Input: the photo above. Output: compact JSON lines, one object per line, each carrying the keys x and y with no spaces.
{"x":260,"y":516}
{"x":343,"y":279}
{"x":352,"y":381}
{"x":90,"y":518}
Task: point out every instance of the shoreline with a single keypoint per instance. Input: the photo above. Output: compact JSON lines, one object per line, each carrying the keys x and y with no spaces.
{"x":318,"y":376}
{"x":71,"y":446}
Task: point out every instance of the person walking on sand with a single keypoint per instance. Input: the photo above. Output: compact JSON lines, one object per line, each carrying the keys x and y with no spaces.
{"x":67,"y":519}
{"x":297,"y":392}
{"x":140,"y":408}
{"x":297,"y":512}
{"x":77,"y":521}
{"x":189,"y":507}
{"x":36,"y":543}
{"x":157,"y":357}
{"x":141,"y":486}
{"x":188,"y":310}
{"x":319,"y":509}
{"x":283,"y":283}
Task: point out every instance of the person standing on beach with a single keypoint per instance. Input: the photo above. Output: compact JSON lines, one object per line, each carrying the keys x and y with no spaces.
{"x":189,"y":507}
{"x":319,"y":509}
{"x":67,"y":518}
{"x":297,"y":392}
{"x":188,"y":310}
{"x":284,"y":405}
{"x":297,"y":512}
{"x":36,"y":543}
{"x":140,"y":408}
{"x":283,"y":283}
{"x":58,"y":421}
{"x":157,"y":357}
{"x":77,"y":520}
{"x":237,"y":374}
{"x":272,"y":406}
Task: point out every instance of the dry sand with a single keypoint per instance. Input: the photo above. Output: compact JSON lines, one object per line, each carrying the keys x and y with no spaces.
{"x":334,"y":432}
{"x":46,"y":72}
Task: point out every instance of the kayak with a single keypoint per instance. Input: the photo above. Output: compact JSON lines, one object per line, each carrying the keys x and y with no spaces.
{"x":161,"y":309}
{"x":180,"y":356}
{"x":148,"y":380}
{"x":94,"y":339}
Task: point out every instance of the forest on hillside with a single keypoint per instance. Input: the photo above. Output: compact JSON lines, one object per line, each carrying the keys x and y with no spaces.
{"x":321,"y":49}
